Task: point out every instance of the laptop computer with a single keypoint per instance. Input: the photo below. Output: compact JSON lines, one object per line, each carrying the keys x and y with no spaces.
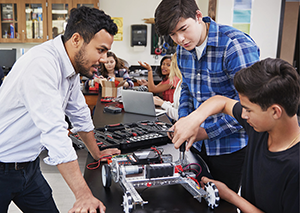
{"x":140,"y":103}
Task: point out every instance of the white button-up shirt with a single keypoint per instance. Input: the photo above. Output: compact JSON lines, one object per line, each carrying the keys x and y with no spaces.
{"x":39,"y":91}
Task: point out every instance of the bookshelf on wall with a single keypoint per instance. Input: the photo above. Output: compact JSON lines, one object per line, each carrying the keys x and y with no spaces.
{"x":36,"y":21}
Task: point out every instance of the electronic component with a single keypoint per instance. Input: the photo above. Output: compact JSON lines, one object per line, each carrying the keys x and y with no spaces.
{"x":152,"y":175}
{"x":112,"y":109}
{"x":133,"y":136}
{"x":144,"y":157}
{"x":159,"y":170}
{"x":129,"y":137}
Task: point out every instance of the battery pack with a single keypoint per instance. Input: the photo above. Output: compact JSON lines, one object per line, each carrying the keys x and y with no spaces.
{"x":159,"y":170}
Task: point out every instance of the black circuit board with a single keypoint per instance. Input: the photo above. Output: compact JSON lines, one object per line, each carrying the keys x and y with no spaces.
{"x":128,"y":137}
{"x":142,"y":134}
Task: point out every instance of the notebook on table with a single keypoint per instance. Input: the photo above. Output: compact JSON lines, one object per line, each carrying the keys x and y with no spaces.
{"x":140,"y":103}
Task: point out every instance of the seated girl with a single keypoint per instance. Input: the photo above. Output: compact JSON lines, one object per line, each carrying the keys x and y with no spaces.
{"x":171,"y":108}
{"x":166,"y":87}
{"x":113,"y":67}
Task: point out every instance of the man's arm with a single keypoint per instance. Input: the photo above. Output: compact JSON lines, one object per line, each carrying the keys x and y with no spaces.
{"x":187,"y":128}
{"x":232,"y":197}
{"x":85,"y":201}
{"x":90,"y":142}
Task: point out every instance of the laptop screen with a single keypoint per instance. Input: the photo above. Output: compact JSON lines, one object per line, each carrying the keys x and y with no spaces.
{"x":139,"y":102}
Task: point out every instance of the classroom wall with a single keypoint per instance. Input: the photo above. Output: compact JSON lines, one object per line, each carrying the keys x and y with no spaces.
{"x":264,"y":25}
{"x":289,"y":31}
{"x":133,"y":12}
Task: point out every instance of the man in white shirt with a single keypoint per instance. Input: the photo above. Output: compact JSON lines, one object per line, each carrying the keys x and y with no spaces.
{"x":42,"y":87}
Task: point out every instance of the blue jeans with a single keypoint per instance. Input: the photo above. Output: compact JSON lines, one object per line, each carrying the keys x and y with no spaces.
{"x":27,"y":188}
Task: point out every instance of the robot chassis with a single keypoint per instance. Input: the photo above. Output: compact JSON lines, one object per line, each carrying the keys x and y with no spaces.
{"x":134,"y":176}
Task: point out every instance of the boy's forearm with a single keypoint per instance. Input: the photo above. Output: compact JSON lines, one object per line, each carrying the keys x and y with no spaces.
{"x":242,"y":204}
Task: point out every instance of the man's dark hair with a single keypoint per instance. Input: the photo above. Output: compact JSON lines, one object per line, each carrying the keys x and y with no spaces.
{"x":268,"y":82}
{"x":87,"y":22}
{"x":169,"y":12}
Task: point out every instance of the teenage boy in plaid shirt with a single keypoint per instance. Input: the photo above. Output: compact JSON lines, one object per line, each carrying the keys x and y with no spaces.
{"x":209,"y":55}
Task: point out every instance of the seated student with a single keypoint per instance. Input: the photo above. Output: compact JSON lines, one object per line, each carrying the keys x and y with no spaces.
{"x":165,"y":86}
{"x":269,"y":94}
{"x":114,"y":67}
{"x":171,"y":108}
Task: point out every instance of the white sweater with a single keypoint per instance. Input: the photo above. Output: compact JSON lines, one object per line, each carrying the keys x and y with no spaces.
{"x":172,"y":108}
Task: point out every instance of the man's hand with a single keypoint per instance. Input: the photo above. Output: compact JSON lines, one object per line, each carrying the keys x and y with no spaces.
{"x":90,"y":142}
{"x":87,"y":204}
{"x":107,"y":152}
{"x":85,"y":201}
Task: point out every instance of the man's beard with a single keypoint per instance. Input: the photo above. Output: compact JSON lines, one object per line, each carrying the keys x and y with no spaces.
{"x":80,"y":63}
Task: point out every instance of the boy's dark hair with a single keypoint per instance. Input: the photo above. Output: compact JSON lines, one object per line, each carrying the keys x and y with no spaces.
{"x":87,"y":22}
{"x":119,"y":64}
{"x":158,"y":71}
{"x":270,"y":81}
{"x":169,"y":12}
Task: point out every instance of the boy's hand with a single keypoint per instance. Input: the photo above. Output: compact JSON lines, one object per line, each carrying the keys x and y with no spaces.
{"x":224,"y":192}
{"x":187,"y":129}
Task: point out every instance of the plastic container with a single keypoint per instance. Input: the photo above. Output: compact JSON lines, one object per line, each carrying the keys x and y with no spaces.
{"x":12,"y":31}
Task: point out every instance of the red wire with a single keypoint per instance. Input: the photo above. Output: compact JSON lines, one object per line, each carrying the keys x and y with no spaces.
{"x":194,"y":179}
{"x":179,"y":168}
{"x":158,"y":152}
{"x":97,"y":163}
{"x":200,"y":168}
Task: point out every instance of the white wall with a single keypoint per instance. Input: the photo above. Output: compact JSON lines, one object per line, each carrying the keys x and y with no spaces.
{"x":264,"y":26}
{"x":133,"y":12}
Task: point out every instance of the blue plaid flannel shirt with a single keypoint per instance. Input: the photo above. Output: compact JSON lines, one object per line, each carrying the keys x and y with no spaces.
{"x":227,"y":51}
